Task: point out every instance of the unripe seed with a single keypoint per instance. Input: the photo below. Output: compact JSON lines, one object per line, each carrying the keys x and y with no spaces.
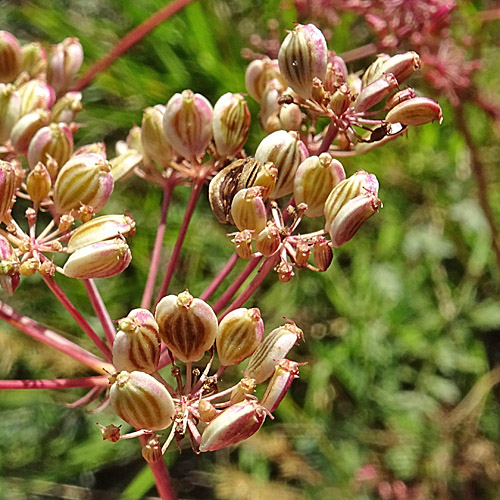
{"x":402,"y":66}
{"x":270,"y":107}
{"x":374,"y":71}
{"x":259,"y":73}
{"x":268,"y":240}
{"x":302,"y":254}
{"x":248,"y":210}
{"x":284,"y":374}
{"x":66,"y":108}
{"x":10,"y":110}
{"x":7,"y":189}
{"x":285,"y":271}
{"x":10,"y":57}
{"x":246,"y":386}
{"x":24,"y":130}
{"x":141,"y":400}
{"x":34,"y":59}
{"x":417,"y":111}
{"x":151,"y":451}
{"x":243,"y":244}
{"x":291,"y":117}
{"x":340,"y":100}
{"x":322,"y":254}
{"x":187,"y":325}
{"x":38,"y":183}
{"x":154,"y":143}
{"x":398,"y":97}
{"x":36,"y":94}
{"x":206,"y":410}
{"x":239,"y":334}
{"x":374,"y":93}
{"x":63,"y":63}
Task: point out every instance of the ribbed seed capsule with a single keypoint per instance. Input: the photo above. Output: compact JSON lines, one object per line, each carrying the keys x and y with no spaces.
{"x":206,"y":410}
{"x":10,"y":110}
{"x":285,"y":373}
{"x":275,"y":347}
{"x":340,"y":100}
{"x":154,"y":143}
{"x":187,"y":325}
{"x":243,"y":244}
{"x":270,"y":107}
{"x":246,"y":386}
{"x":137,"y":343}
{"x":402,"y":66}
{"x":375,"y":92}
{"x":399,"y":97}
{"x":417,"y":111}
{"x":322,"y":253}
{"x":291,"y":117}
{"x":100,"y":229}
{"x":268,"y":240}
{"x":99,"y":260}
{"x":286,"y":151}
{"x":10,"y":57}
{"x":36,"y":94}
{"x":314,"y":180}
{"x":230,"y":123}
{"x":38,"y":183}
{"x":233,"y":425}
{"x":374,"y":71}
{"x":141,"y":400}
{"x":9,"y":267}
{"x":239,"y":334}
{"x":34,"y":59}
{"x":259,"y":73}
{"x":248,"y":210}
{"x":66,"y":108}
{"x":303,"y":56}
{"x":63,"y":63}
{"x":25,"y":128}
{"x":83,"y":180}
{"x":7,"y":188}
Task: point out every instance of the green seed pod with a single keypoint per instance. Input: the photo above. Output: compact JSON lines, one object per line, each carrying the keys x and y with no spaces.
{"x":154,"y":143}
{"x":248,"y":210}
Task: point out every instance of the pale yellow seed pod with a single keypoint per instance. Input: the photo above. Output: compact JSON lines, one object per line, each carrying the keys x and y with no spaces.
{"x":248,"y":210}
{"x":206,"y":410}
{"x":38,"y":183}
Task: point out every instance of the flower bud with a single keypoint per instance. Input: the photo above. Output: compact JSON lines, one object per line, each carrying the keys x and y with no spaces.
{"x":36,"y":94}
{"x":187,"y":325}
{"x":9,"y":266}
{"x":417,"y":111}
{"x":34,"y":59}
{"x":64,"y":61}
{"x":233,"y":425}
{"x":243,"y":244}
{"x":402,"y":66}
{"x":10,"y":109}
{"x":101,"y":229}
{"x":26,"y":128}
{"x":187,"y":123}
{"x":55,"y":141}
{"x":7,"y":189}
{"x":246,"y":386}
{"x":248,"y":210}
{"x":275,"y":347}
{"x":38,"y":183}
{"x":322,"y":254}
{"x":206,"y":410}
{"x":303,"y":56}
{"x":268,"y":240}
{"x":141,"y":400}
{"x":259,"y":72}
{"x":239,"y":334}
{"x":10,"y":57}
{"x":284,"y":374}
{"x":67,"y":107}
{"x":372,"y":94}
{"x":154,"y":143}
{"x":83,"y":180}
{"x":230,"y":123}
{"x":286,"y":151}
{"x":314,"y":180}
{"x":137,"y":343}
{"x":99,"y":260}
{"x":291,"y":116}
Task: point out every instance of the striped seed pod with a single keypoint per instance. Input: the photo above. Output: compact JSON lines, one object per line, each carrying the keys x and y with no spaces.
{"x":259,"y":73}
{"x":375,"y":92}
{"x":36,"y":94}
{"x":10,"y":57}
{"x":7,"y":189}
{"x":25,"y":128}
{"x":63,"y":63}
{"x":416,"y":111}
{"x":275,"y":347}
{"x":187,"y":325}
{"x":284,"y":374}
{"x":38,"y":183}
{"x":10,"y":110}
{"x":268,"y":240}
{"x":137,"y":343}
{"x":66,"y":108}
{"x":141,"y":400}
{"x":248,"y":210}
{"x":34,"y":59}
{"x":154,"y":143}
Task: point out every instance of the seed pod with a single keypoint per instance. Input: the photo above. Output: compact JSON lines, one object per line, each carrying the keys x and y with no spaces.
{"x":67,"y":107}
{"x":402,"y":66}
{"x":374,"y":71}
{"x":64,"y":62}
{"x":322,"y":254}
{"x":230,"y":123}
{"x":286,"y":151}
{"x":187,"y":325}
{"x":417,"y":111}
{"x":239,"y":334}
{"x":291,"y":117}
{"x":268,"y":240}
{"x":7,"y":189}
{"x":374,"y":93}
{"x":154,"y":143}
{"x":99,"y":260}
{"x":243,"y":244}
{"x":275,"y":347}
{"x":10,"y":109}
{"x":25,"y":128}
{"x":233,"y":425}
{"x":124,"y":164}
{"x":83,"y":180}
{"x":55,"y":141}
{"x":151,"y":451}
{"x":336,"y":73}
{"x":340,"y":100}
{"x":137,"y":343}
{"x":259,"y":73}
{"x":239,"y":174}
{"x":246,"y":386}
{"x":398,"y":97}
{"x":36,"y":94}
{"x":270,"y":107}
{"x":9,"y":266}
{"x":206,"y":410}
{"x":34,"y":59}
{"x":38,"y":183}
{"x":141,"y":400}
{"x":285,"y":373}
{"x":303,"y":56}
{"x":10,"y":57}
{"x":100,"y":229}
{"x":285,"y":271}
{"x":187,"y":123}
{"x":302,"y":254}
{"x":314,"y":180}
{"x":248,"y":210}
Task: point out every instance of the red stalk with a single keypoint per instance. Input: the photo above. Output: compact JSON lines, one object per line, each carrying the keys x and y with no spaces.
{"x":100,"y":310}
{"x":56,"y":383}
{"x":228,"y":267}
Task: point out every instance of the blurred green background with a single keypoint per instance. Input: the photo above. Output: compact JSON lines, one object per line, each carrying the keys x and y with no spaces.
{"x":402,"y":332}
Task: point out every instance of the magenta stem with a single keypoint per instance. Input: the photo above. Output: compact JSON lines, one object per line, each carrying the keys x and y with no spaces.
{"x":49,"y":337}
{"x":76,"y":315}
{"x":330,"y":135}
{"x":195,"y":194}
{"x":56,"y":383}
{"x":228,"y":267}
{"x":266,"y":268}
{"x":100,"y":310}
{"x":160,"y":234}
{"x":235,"y":285}
{"x":129,"y":40}
{"x":359,"y":53}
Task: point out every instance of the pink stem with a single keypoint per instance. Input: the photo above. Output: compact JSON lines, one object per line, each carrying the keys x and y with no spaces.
{"x":330,"y":135}
{"x":235,"y":285}
{"x":195,"y":194}
{"x":160,"y":234}
{"x":161,"y":475}
{"x":47,"y":336}
{"x":220,"y":277}
{"x":359,"y":53}
{"x":56,"y":383}
{"x":100,"y":310}
{"x":75,"y":314}
{"x":129,"y":40}
{"x":266,"y":268}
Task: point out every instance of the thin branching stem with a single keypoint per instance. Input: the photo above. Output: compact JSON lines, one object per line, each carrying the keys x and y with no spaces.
{"x":56,"y":383}
{"x":100,"y":310}
{"x":216,"y":282}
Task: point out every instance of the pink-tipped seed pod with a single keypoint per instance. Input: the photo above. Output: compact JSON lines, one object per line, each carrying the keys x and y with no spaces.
{"x":25,"y":128}
{"x":285,"y":373}
{"x":64,"y":61}
{"x":248,"y":210}
{"x":67,"y":107}
{"x":375,"y":92}
{"x":10,"y":110}
{"x":34,"y":59}
{"x":239,"y":334}
{"x":10,"y":57}
{"x":154,"y":143}
{"x":268,"y":240}
{"x":8,"y":187}
{"x":417,"y":111}
{"x":137,"y":343}
{"x":188,"y":325}
{"x":38,"y":183}
{"x":141,"y":400}
{"x":36,"y":94}
{"x":259,"y":73}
